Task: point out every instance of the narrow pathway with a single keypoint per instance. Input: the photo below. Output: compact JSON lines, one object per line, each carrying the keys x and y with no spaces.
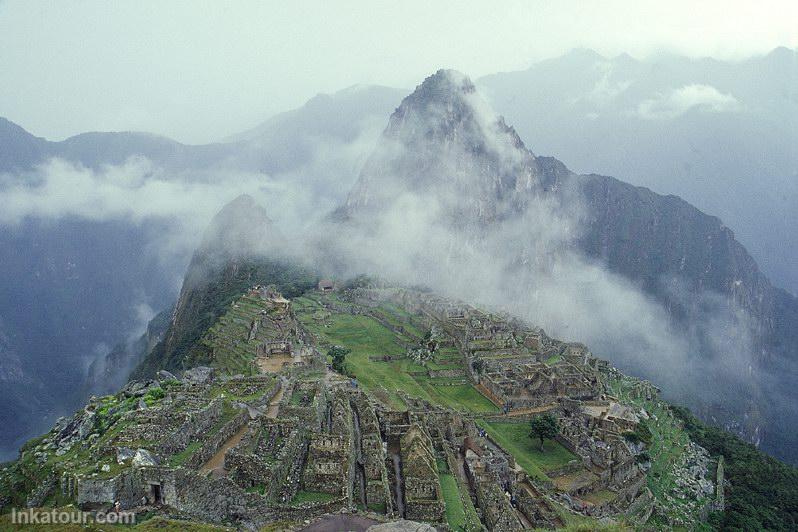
{"x":274,"y":404}
{"x":215,"y":465}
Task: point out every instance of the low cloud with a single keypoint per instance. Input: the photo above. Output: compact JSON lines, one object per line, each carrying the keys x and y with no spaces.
{"x":664,"y":106}
{"x":135,"y":191}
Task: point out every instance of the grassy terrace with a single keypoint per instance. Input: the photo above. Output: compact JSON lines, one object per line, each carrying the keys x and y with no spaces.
{"x":366,"y":337}
{"x":180,"y":458}
{"x":305,"y":497}
{"x":514,"y":438}
{"x":226,"y":339}
{"x":458,"y":515}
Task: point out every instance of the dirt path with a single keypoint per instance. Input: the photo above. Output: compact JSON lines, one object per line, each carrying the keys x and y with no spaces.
{"x":274,"y":404}
{"x":215,"y":465}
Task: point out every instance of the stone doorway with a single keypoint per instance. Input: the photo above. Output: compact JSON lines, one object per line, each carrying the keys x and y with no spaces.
{"x":155,"y":494}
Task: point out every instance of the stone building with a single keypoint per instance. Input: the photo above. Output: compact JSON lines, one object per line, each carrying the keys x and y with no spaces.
{"x":422,"y":491}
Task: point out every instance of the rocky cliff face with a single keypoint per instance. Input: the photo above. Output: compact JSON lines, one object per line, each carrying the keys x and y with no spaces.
{"x":445,"y":147}
{"x":444,"y":141}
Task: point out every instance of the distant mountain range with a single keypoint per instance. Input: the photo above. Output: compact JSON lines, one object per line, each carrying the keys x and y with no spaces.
{"x":722,"y":135}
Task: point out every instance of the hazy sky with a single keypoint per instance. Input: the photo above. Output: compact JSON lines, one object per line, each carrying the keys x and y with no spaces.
{"x":198,"y":71}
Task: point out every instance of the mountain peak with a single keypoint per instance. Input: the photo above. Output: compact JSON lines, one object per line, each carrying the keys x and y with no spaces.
{"x":242,"y":227}
{"x":445,"y":140}
{"x":447,"y":81}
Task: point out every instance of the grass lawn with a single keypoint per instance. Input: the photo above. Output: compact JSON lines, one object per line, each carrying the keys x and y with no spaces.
{"x":180,"y":458}
{"x":366,"y":336}
{"x":553,"y":359}
{"x":600,"y":497}
{"x":455,"y":513}
{"x":463,"y":396}
{"x":514,"y":437}
{"x":303,"y":497}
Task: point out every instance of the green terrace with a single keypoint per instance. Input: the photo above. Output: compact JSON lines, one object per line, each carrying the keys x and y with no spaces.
{"x":668,"y":439}
{"x":369,"y":340}
{"x":226,"y":341}
{"x":514,"y":438}
{"x":460,"y":511}
{"x":311,"y":497}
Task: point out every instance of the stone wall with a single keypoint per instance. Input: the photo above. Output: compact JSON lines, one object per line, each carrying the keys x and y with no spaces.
{"x":212,"y":444}
{"x":447,"y":373}
{"x":327,"y":468}
{"x":42,"y":491}
{"x":288,"y":468}
{"x":218,"y":500}
{"x":423,"y":498}
{"x":303,"y":512}
{"x":540,"y":512}
{"x":373,"y":455}
{"x":196,"y":424}
{"x":97,"y":491}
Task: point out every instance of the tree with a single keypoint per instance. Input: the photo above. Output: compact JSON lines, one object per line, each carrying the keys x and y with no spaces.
{"x":544,"y":426}
{"x":430,"y":340}
{"x":338,"y":355}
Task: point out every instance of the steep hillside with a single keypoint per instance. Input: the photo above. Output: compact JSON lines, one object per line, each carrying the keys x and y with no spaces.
{"x":240,"y":248}
{"x":720,"y":134}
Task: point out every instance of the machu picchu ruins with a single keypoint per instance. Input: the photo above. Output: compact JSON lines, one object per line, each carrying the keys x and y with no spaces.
{"x":429,"y":423}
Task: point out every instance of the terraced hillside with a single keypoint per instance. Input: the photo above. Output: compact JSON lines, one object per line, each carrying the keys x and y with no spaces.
{"x":428,"y":420}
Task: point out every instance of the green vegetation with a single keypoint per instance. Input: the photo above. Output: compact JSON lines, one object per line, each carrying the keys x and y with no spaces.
{"x":664,"y":431}
{"x":544,"y":427}
{"x":364,"y":336}
{"x":180,"y":458}
{"x":460,"y":511}
{"x":305,"y":497}
{"x":514,"y":438}
{"x":208,"y":292}
{"x":461,"y":396}
{"x":455,"y":513}
{"x":338,"y":356}
{"x":553,"y":360}
{"x":763,"y":492}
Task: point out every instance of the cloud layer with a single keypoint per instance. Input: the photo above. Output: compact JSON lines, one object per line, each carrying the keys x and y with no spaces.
{"x":676,"y":102}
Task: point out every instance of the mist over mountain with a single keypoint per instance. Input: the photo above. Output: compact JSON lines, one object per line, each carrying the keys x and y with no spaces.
{"x":99,"y":229}
{"x":719,"y":134}
{"x":451,"y":188}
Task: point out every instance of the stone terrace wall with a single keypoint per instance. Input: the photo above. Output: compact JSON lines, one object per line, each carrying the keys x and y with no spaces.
{"x":212,"y":444}
{"x":218,"y":500}
{"x":302,"y":512}
{"x":288,"y":468}
{"x":196,"y":424}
